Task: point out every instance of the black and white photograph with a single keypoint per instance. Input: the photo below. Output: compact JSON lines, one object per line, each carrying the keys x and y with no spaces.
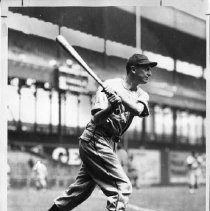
{"x":104,"y":106}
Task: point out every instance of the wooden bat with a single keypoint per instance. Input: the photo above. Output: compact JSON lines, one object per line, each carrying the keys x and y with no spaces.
{"x":69,"y":49}
{"x":65,"y":44}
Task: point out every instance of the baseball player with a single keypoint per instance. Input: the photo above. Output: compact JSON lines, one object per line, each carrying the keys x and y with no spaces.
{"x":193,"y":167}
{"x":40,"y":171}
{"x":113,"y":111}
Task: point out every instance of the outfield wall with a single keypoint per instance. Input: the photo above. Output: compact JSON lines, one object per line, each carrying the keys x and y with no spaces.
{"x":154,"y":167}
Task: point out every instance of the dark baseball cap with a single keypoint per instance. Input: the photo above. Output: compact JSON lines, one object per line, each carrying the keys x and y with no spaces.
{"x":140,"y":60}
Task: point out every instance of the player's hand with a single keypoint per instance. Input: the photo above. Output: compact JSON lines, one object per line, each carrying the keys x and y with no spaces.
{"x":112,"y":97}
{"x":107,"y":89}
{"x":114,"y":100}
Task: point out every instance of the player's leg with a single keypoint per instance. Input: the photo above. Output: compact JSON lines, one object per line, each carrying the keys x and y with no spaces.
{"x":192,"y":181}
{"x":198,"y":177}
{"x":105,"y":169}
{"x":43,"y":182}
{"x":196,"y":181}
{"x":77,"y":192}
{"x":37,"y":183}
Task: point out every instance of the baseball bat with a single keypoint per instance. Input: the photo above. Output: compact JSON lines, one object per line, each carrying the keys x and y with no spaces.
{"x":65,"y":44}
{"x":69,"y":49}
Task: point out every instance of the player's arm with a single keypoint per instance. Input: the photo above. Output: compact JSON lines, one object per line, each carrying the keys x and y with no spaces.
{"x":100,"y":116}
{"x":133,"y":105}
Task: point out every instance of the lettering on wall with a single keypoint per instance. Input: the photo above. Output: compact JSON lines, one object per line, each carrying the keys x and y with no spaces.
{"x":69,"y":156}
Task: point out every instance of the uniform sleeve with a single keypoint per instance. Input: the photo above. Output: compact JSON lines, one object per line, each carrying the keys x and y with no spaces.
{"x":143,"y":99}
{"x":100,"y":102}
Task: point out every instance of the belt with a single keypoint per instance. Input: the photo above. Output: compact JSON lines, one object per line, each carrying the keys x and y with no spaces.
{"x":101,"y":132}
{"x":114,"y":138}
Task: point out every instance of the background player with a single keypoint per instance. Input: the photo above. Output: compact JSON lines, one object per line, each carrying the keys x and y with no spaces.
{"x":40,"y":171}
{"x":112,"y":114}
{"x":193,"y":164}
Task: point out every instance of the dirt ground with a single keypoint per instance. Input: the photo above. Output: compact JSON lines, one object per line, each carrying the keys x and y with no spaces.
{"x":144,"y":199}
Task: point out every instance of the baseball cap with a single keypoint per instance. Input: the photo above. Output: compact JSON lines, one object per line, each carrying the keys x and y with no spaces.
{"x":140,"y":60}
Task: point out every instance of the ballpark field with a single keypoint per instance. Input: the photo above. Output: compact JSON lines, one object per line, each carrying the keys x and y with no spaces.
{"x":144,"y":199}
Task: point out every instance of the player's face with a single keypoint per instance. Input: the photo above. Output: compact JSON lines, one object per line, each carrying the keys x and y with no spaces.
{"x":143,"y":73}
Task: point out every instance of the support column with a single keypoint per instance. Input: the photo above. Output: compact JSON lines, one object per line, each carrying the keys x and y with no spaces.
{"x":50,"y":125}
{"x":105,"y":31}
{"x":143,"y":137}
{"x":164,"y":138}
{"x":64,"y":116}
{"x":35,"y":121}
{"x":138,"y":27}
{"x":59,"y":116}
{"x":203,"y":131}
{"x":165,"y":167}
{"x":152,"y":116}
{"x":188,"y":129}
{"x":78,"y":114}
{"x":19,"y":114}
{"x":174,"y":110}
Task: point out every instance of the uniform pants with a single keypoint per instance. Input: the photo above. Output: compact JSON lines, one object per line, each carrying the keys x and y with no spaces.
{"x":100,"y":167}
{"x":193,"y":178}
{"x":41,"y":181}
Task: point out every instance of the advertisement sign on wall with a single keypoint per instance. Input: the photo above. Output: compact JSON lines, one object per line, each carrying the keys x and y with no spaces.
{"x":177,"y":167}
{"x":147,"y":163}
{"x":69,"y":156}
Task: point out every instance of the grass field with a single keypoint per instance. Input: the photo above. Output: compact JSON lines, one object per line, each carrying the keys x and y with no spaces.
{"x":144,"y":199}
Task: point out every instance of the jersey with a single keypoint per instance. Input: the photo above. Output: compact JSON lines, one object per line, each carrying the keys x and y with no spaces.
{"x":40,"y":169}
{"x":120,"y":119}
{"x":192,"y":162}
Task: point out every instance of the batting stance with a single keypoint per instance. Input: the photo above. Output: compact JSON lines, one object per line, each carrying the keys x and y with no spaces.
{"x":113,"y":111}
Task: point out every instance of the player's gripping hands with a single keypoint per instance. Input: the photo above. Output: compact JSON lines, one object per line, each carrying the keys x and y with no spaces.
{"x":114,"y":99}
{"x":132,"y":104}
{"x":101,"y":116}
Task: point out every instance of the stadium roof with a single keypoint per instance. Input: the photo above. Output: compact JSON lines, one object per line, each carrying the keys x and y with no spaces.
{"x":173,"y":36}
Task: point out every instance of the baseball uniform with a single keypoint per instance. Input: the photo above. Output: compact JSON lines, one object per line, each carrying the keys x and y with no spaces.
{"x":100,"y":165}
{"x":40,"y":174}
{"x":193,"y":167}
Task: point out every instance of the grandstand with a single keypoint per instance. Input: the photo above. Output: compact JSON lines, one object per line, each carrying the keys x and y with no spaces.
{"x":49,"y":95}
